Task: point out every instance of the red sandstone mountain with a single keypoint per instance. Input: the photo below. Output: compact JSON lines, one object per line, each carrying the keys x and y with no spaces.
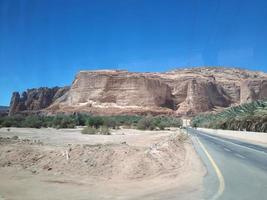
{"x":179,"y":92}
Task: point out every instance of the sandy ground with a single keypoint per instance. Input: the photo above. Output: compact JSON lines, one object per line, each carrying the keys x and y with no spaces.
{"x":246,"y":136}
{"x":129,"y":164}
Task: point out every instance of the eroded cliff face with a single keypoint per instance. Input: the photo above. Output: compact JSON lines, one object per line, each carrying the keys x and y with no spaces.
{"x":253,"y":89}
{"x":34,"y":100}
{"x":179,"y":92}
{"x":201,"y":96}
{"x":116,"y":92}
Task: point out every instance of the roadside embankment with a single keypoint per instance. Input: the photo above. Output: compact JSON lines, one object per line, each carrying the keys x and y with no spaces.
{"x":128,"y":164}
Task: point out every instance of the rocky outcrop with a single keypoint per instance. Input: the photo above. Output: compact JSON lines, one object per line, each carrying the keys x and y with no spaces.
{"x":202,"y":96}
{"x":34,"y":100}
{"x":180,"y":92}
{"x":253,"y":89}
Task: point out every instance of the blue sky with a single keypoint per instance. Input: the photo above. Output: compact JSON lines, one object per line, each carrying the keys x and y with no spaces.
{"x":46,"y":42}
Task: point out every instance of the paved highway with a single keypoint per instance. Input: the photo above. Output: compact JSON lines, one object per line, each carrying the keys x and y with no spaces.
{"x":235,"y":170}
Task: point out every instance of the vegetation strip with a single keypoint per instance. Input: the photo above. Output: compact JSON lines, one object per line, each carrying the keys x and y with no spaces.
{"x":250,"y":117}
{"x":94,"y":123}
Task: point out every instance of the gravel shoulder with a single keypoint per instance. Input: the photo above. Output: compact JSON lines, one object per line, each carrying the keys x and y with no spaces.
{"x":129,"y":164}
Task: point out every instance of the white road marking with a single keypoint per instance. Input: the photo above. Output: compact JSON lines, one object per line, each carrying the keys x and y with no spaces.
{"x":226,"y":149}
{"x":240,"y":156}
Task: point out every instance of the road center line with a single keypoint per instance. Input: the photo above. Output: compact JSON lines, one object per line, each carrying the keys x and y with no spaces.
{"x":217,"y":170}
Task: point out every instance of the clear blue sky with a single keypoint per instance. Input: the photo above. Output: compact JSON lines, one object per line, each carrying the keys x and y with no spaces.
{"x":46,"y":42}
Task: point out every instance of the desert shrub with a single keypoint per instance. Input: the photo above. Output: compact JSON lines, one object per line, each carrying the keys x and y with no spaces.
{"x":104,"y":130}
{"x":146,"y":123}
{"x":89,"y":130}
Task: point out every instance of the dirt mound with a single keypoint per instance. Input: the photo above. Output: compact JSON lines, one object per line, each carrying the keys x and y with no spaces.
{"x":129,"y":164}
{"x":104,"y":161}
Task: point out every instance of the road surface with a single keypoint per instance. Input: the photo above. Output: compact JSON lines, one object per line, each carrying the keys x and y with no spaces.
{"x":235,"y":170}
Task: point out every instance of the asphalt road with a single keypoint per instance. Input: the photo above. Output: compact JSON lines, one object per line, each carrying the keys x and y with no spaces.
{"x":235,"y":170}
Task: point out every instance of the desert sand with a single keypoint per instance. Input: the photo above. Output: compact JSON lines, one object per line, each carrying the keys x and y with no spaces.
{"x":129,"y":164}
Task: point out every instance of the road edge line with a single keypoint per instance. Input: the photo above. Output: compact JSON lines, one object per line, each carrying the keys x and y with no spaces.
{"x":217,"y":170}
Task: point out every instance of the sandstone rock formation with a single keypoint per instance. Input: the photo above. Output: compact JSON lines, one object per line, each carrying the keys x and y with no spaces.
{"x":253,"y":89}
{"x":35,"y":99}
{"x":179,"y":92}
{"x":116,"y":92}
{"x":202,"y":95}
